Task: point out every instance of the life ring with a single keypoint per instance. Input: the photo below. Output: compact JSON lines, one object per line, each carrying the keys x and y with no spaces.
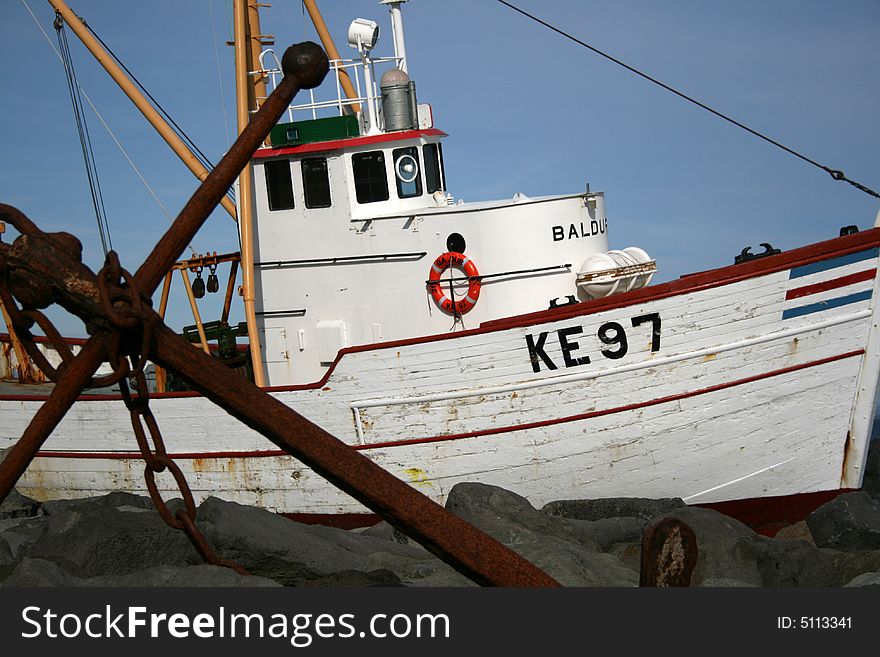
{"x":461,"y":261}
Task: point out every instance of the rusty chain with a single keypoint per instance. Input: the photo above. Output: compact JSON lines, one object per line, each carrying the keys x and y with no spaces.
{"x":123,"y":305}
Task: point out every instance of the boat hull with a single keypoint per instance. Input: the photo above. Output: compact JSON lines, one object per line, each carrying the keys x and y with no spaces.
{"x":751,"y":381}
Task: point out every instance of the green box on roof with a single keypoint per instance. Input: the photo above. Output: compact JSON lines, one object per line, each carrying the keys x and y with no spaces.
{"x":315,"y":130}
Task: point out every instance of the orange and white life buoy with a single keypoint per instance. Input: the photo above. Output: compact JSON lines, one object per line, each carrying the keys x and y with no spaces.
{"x":460,"y":261}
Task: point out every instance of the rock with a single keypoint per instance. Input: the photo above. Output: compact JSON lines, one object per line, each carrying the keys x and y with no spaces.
{"x":610,"y":531}
{"x":790,"y":563}
{"x":115,"y":500}
{"x":504,"y":515}
{"x":798,"y":563}
{"x":560,"y":548}
{"x":726,"y":583}
{"x":387,"y":532}
{"x":17,"y":505}
{"x":21,"y":533}
{"x":613,"y":507}
{"x":849,"y":565}
{"x":630,"y":554}
{"x":289,"y":552}
{"x":871,"y":480}
{"x":418,"y":569}
{"x":799,"y":531}
{"x":40,"y":572}
{"x":381,"y":577}
{"x":6,"y":556}
{"x":850,"y":521}
{"x":865,"y":579}
{"x":719,"y":555}
{"x":98,"y":536}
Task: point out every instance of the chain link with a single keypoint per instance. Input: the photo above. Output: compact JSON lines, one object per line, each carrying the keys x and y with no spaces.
{"x":123,"y":306}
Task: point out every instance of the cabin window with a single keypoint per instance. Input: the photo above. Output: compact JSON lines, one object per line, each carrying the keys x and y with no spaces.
{"x":433,"y":155}
{"x":316,"y":182}
{"x":279,"y":184}
{"x":406,"y":172}
{"x":370,"y":183}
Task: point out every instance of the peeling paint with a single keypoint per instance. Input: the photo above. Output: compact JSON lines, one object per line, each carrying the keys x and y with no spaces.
{"x":418,"y":477}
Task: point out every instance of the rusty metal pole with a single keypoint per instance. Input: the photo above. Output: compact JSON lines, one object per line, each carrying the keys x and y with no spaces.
{"x":64,"y":394}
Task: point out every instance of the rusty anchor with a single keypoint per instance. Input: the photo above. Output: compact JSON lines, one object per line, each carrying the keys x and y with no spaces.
{"x":39,"y":269}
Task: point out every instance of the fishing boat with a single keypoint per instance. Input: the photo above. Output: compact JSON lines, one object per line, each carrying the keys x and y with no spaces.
{"x":508,"y":342}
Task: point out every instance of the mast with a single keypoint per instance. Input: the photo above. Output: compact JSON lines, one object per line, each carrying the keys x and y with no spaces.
{"x":244,"y":91}
{"x":397,"y":31}
{"x":332,"y":53}
{"x":149,"y":112}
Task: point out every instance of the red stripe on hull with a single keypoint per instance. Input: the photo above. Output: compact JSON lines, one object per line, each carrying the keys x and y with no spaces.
{"x":824,"y":286}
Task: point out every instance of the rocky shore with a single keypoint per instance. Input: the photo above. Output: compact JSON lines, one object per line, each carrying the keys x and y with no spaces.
{"x":119,"y":540}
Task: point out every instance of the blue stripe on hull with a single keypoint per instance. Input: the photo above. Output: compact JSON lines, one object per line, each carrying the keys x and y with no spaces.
{"x":825,"y":265}
{"x":826,"y":305}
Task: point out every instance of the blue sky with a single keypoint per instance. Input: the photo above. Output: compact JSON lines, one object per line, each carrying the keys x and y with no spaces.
{"x":526,"y":111}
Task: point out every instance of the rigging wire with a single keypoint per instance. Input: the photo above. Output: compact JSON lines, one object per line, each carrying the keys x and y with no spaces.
{"x":107,"y":127}
{"x":85,"y":140}
{"x":219,"y":73}
{"x":205,"y":161}
{"x":834,"y":173}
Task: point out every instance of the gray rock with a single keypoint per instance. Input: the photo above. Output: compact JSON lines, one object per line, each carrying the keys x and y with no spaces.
{"x":610,"y":531}
{"x":17,"y":505}
{"x":418,"y":569}
{"x":798,"y":563}
{"x":39,"y":572}
{"x":505,"y":515}
{"x":42,"y":573}
{"x":719,"y":554}
{"x":850,"y":521}
{"x":560,"y":548}
{"x":382,"y":577}
{"x":99,"y":536}
{"x":388,"y":532}
{"x":289,"y":552}
{"x":722,"y":582}
{"x":613,"y":507}
{"x":865,"y":579}
{"x":21,"y":533}
{"x":790,"y":563}
{"x":799,"y":531}
{"x":871,"y":480}
{"x":629,"y":554}
{"x":6,"y":556}
{"x":114,"y":500}
{"x":851,"y":564}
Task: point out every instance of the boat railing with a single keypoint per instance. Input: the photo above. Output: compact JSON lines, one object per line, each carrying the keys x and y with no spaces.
{"x":361,"y":72}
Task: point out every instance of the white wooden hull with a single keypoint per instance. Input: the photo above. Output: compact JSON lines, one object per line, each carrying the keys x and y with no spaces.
{"x":747,"y":382}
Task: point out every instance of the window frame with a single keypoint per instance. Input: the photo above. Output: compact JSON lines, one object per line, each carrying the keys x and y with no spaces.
{"x":396,"y":154}
{"x":370,"y":180}
{"x":275,"y":183}
{"x":307,"y":173}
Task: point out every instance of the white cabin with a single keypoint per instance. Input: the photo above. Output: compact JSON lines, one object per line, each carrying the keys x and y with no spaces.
{"x":352,"y":210}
